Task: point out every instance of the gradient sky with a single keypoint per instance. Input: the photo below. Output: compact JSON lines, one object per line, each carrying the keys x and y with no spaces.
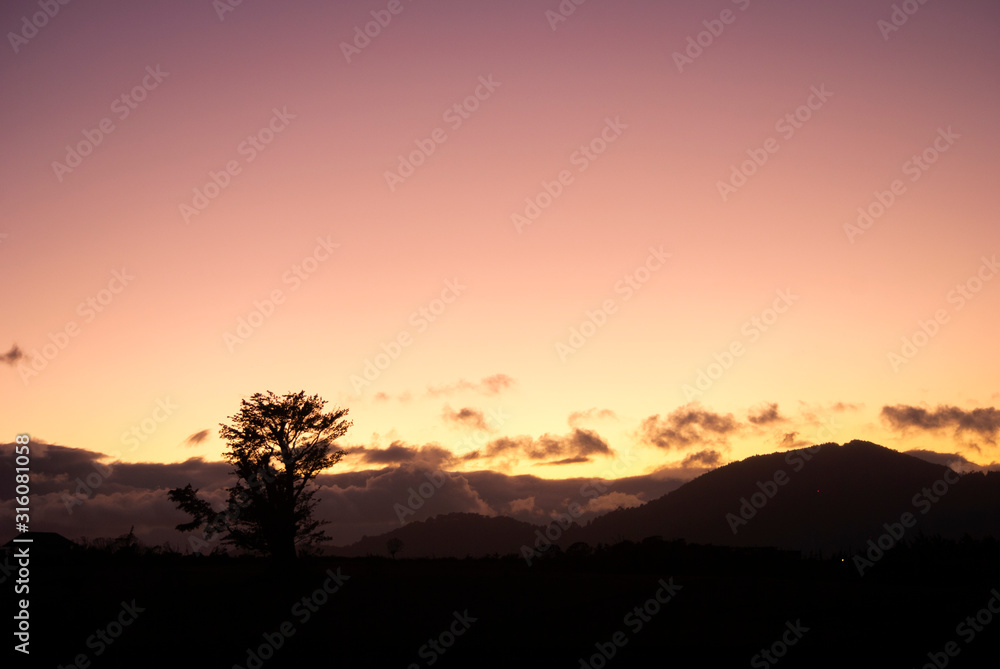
{"x":164,"y":338}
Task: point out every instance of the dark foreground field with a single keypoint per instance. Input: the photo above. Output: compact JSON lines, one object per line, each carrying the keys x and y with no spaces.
{"x":697,"y":606}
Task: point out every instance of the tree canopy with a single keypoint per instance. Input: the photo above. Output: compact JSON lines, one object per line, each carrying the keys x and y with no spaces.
{"x":277,"y":446}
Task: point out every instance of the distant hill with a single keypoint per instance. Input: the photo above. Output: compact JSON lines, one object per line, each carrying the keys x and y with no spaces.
{"x":449,"y":535}
{"x":825,"y":498}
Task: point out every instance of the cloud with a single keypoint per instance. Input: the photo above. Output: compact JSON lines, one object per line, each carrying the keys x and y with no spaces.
{"x":706,"y":458}
{"x":398,"y":453}
{"x":526,"y":505}
{"x":610,"y":502}
{"x":578,"y":444}
{"x":688,"y":426}
{"x":12,"y":356}
{"x":846,"y":406}
{"x":578,"y":417}
{"x":466,"y":417}
{"x":790,"y":440}
{"x":113,"y":497}
{"x":985,"y":422}
{"x":385,"y":397}
{"x":577,"y":459}
{"x":197,"y":438}
{"x":955,"y":461}
{"x":768,"y":413}
{"x":490,"y":385}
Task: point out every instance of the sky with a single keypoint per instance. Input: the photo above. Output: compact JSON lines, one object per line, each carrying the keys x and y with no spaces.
{"x":630,"y":238}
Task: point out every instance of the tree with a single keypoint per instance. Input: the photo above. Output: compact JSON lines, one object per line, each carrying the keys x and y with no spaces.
{"x":277,"y":446}
{"x":394,"y":545}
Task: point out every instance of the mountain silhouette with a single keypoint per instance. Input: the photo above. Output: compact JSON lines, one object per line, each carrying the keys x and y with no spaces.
{"x":827,"y":498}
{"x":448,"y":535}
{"x":834,"y":498}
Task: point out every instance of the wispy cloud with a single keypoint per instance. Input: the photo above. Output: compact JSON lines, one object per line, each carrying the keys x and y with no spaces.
{"x":12,"y":356}
{"x":689,"y":425}
{"x":984,"y":422}
{"x":466,"y":417}
{"x":706,"y":458}
{"x":790,"y":440}
{"x":197,"y":438}
{"x":765,"y":414}
{"x":398,"y":453}
{"x":490,"y":385}
{"x":578,"y":417}
{"x":578,"y":446}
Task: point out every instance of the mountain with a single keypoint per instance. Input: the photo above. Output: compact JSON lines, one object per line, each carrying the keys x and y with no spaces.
{"x":824,"y":498}
{"x":448,"y":535}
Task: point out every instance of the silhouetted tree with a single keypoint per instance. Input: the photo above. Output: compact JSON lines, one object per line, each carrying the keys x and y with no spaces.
{"x":277,"y":446}
{"x":394,"y":545}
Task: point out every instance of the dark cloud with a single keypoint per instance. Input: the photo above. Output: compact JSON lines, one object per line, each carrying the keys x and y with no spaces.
{"x":466,"y":417}
{"x":579,"y":443}
{"x":578,"y":417}
{"x":688,"y":426}
{"x":566,"y":461}
{"x":957,"y":462}
{"x":490,"y":385}
{"x":768,"y":413}
{"x":78,"y":494}
{"x":791,"y":440}
{"x":706,"y":458}
{"x":60,"y":469}
{"x":398,"y":453}
{"x":197,"y":438}
{"x":12,"y":356}
{"x":985,"y":421}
